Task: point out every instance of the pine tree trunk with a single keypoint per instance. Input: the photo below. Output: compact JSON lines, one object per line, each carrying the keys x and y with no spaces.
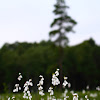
{"x":61,"y":65}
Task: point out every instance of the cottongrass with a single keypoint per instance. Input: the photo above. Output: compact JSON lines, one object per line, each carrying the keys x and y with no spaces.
{"x":51,"y":95}
{"x":58,"y":95}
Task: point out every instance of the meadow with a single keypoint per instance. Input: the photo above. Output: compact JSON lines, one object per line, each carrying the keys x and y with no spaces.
{"x":92,"y":95}
{"x":52,"y":94}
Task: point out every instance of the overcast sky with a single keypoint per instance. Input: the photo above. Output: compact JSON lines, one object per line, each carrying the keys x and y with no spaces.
{"x":29,"y":20}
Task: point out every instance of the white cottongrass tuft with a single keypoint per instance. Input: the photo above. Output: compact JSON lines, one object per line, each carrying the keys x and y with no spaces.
{"x":98,"y":88}
{"x":40,"y":86}
{"x":55,"y":80}
{"x":75,"y":96}
{"x":20,"y":77}
{"x":86,"y":97}
{"x":65,"y":82}
{"x":65,"y":94}
{"x":50,"y":90}
{"x":26,"y":91}
{"x":17,"y":87}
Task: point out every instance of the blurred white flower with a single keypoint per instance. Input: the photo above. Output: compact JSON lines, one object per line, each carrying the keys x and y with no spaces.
{"x":26,"y":91}
{"x":75,"y":96}
{"x":20,"y":77}
{"x":55,"y":80}
{"x":40,"y":87}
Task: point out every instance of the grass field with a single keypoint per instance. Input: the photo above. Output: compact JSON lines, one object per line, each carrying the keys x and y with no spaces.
{"x":92,"y":95}
{"x":52,"y":94}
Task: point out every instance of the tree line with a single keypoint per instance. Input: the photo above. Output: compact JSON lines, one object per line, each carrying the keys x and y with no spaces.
{"x":81,"y":63}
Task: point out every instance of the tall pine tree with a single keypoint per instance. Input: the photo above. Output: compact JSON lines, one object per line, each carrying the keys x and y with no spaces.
{"x":63,"y":24}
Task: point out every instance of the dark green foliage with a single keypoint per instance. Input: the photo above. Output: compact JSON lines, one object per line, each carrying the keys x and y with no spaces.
{"x":81,"y":63}
{"x":63,"y":21}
